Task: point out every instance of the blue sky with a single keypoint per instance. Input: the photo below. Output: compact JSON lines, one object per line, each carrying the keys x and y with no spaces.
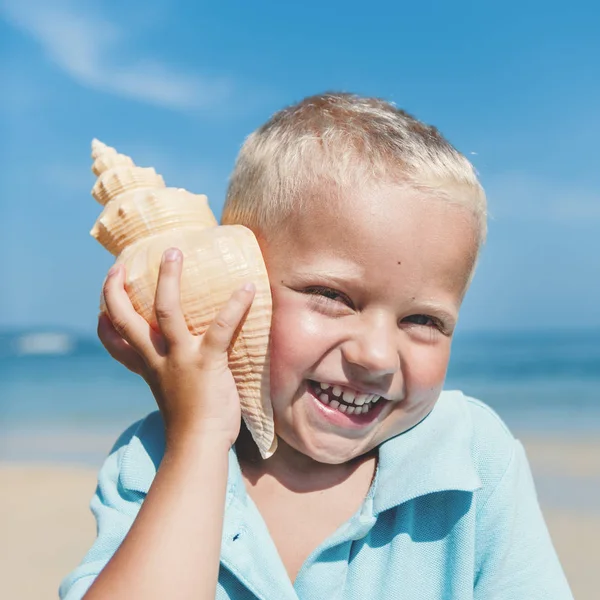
{"x":178,"y":85}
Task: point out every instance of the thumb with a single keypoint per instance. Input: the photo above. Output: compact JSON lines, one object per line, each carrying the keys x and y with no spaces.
{"x":218,"y":336}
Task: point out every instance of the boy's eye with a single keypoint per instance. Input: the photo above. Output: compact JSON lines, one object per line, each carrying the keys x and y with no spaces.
{"x":327,"y":295}
{"x":422,"y":320}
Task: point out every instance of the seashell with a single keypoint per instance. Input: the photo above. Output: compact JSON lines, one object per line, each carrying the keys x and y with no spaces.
{"x":120,"y":179}
{"x":106,"y":157}
{"x":140,"y":220}
{"x":125,"y":218}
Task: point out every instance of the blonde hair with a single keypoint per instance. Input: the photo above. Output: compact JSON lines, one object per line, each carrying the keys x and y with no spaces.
{"x":341,"y":141}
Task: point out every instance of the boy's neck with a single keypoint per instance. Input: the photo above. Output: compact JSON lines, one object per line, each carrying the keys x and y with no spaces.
{"x":292,"y":469}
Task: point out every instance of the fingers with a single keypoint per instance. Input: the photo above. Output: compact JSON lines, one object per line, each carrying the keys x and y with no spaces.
{"x":130,"y":325}
{"x":117,"y":347}
{"x":167,"y":302}
{"x":220,"y":332}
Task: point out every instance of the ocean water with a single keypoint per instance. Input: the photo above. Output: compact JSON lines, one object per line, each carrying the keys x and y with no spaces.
{"x":62,"y":396}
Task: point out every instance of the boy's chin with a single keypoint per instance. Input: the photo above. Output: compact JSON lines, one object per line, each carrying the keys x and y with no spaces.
{"x":334,"y":451}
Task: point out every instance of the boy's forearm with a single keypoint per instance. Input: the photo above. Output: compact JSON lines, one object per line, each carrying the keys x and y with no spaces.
{"x":175,"y":541}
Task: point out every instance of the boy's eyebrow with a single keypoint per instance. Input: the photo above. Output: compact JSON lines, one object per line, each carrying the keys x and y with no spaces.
{"x":349,"y":275}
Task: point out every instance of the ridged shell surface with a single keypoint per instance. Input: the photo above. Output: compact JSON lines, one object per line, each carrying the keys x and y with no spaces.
{"x":142,"y":212}
{"x":121,"y":179}
{"x":140,"y":220}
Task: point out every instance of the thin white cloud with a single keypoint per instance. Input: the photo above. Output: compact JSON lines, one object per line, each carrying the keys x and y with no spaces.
{"x":91,"y":49}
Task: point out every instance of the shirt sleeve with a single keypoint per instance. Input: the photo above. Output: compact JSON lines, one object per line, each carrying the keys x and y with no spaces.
{"x":115,"y":508}
{"x":515,"y":555}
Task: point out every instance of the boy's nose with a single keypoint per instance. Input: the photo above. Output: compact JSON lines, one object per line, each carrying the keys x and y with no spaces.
{"x":374,"y":349}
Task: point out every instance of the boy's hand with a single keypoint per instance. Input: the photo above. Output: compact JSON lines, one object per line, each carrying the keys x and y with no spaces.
{"x":188,"y":374}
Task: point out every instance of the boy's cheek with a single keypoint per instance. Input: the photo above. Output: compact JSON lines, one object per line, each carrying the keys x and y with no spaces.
{"x":427,"y":370}
{"x":291,"y":329}
{"x":288,"y":348}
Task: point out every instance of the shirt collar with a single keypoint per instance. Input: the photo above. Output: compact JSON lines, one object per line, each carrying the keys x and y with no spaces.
{"x":433,"y":456}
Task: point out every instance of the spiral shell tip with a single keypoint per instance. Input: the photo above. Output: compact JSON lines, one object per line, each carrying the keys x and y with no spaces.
{"x":99,"y":148}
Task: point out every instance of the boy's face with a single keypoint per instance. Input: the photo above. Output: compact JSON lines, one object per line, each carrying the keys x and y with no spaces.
{"x":365,"y":297}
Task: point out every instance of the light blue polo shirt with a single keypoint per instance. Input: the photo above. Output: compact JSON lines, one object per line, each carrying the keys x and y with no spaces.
{"x":451,"y":514}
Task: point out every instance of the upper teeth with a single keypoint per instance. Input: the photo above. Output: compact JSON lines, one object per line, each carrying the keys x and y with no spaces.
{"x":350,"y":396}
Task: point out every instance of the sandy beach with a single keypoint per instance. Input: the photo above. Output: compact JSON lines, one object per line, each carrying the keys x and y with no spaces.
{"x":47,"y":526}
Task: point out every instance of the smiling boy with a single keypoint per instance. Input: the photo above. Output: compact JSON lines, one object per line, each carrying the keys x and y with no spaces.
{"x":382,"y":486}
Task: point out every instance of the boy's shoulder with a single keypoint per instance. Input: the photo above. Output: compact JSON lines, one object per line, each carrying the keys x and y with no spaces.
{"x":477,"y":420}
{"x":487,"y":426}
{"x":138,"y":451}
{"x":462,"y":445}
{"x":492,"y":444}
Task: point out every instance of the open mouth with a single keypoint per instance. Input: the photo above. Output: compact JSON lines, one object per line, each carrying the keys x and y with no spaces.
{"x":344,"y":400}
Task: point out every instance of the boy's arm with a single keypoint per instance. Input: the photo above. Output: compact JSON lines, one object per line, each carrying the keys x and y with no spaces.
{"x":174,"y":543}
{"x":115,"y":506}
{"x":515,"y":555}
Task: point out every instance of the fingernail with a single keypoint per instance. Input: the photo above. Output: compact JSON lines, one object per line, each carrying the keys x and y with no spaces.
{"x":113,"y":271}
{"x":172,"y":255}
{"x":248,"y":287}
